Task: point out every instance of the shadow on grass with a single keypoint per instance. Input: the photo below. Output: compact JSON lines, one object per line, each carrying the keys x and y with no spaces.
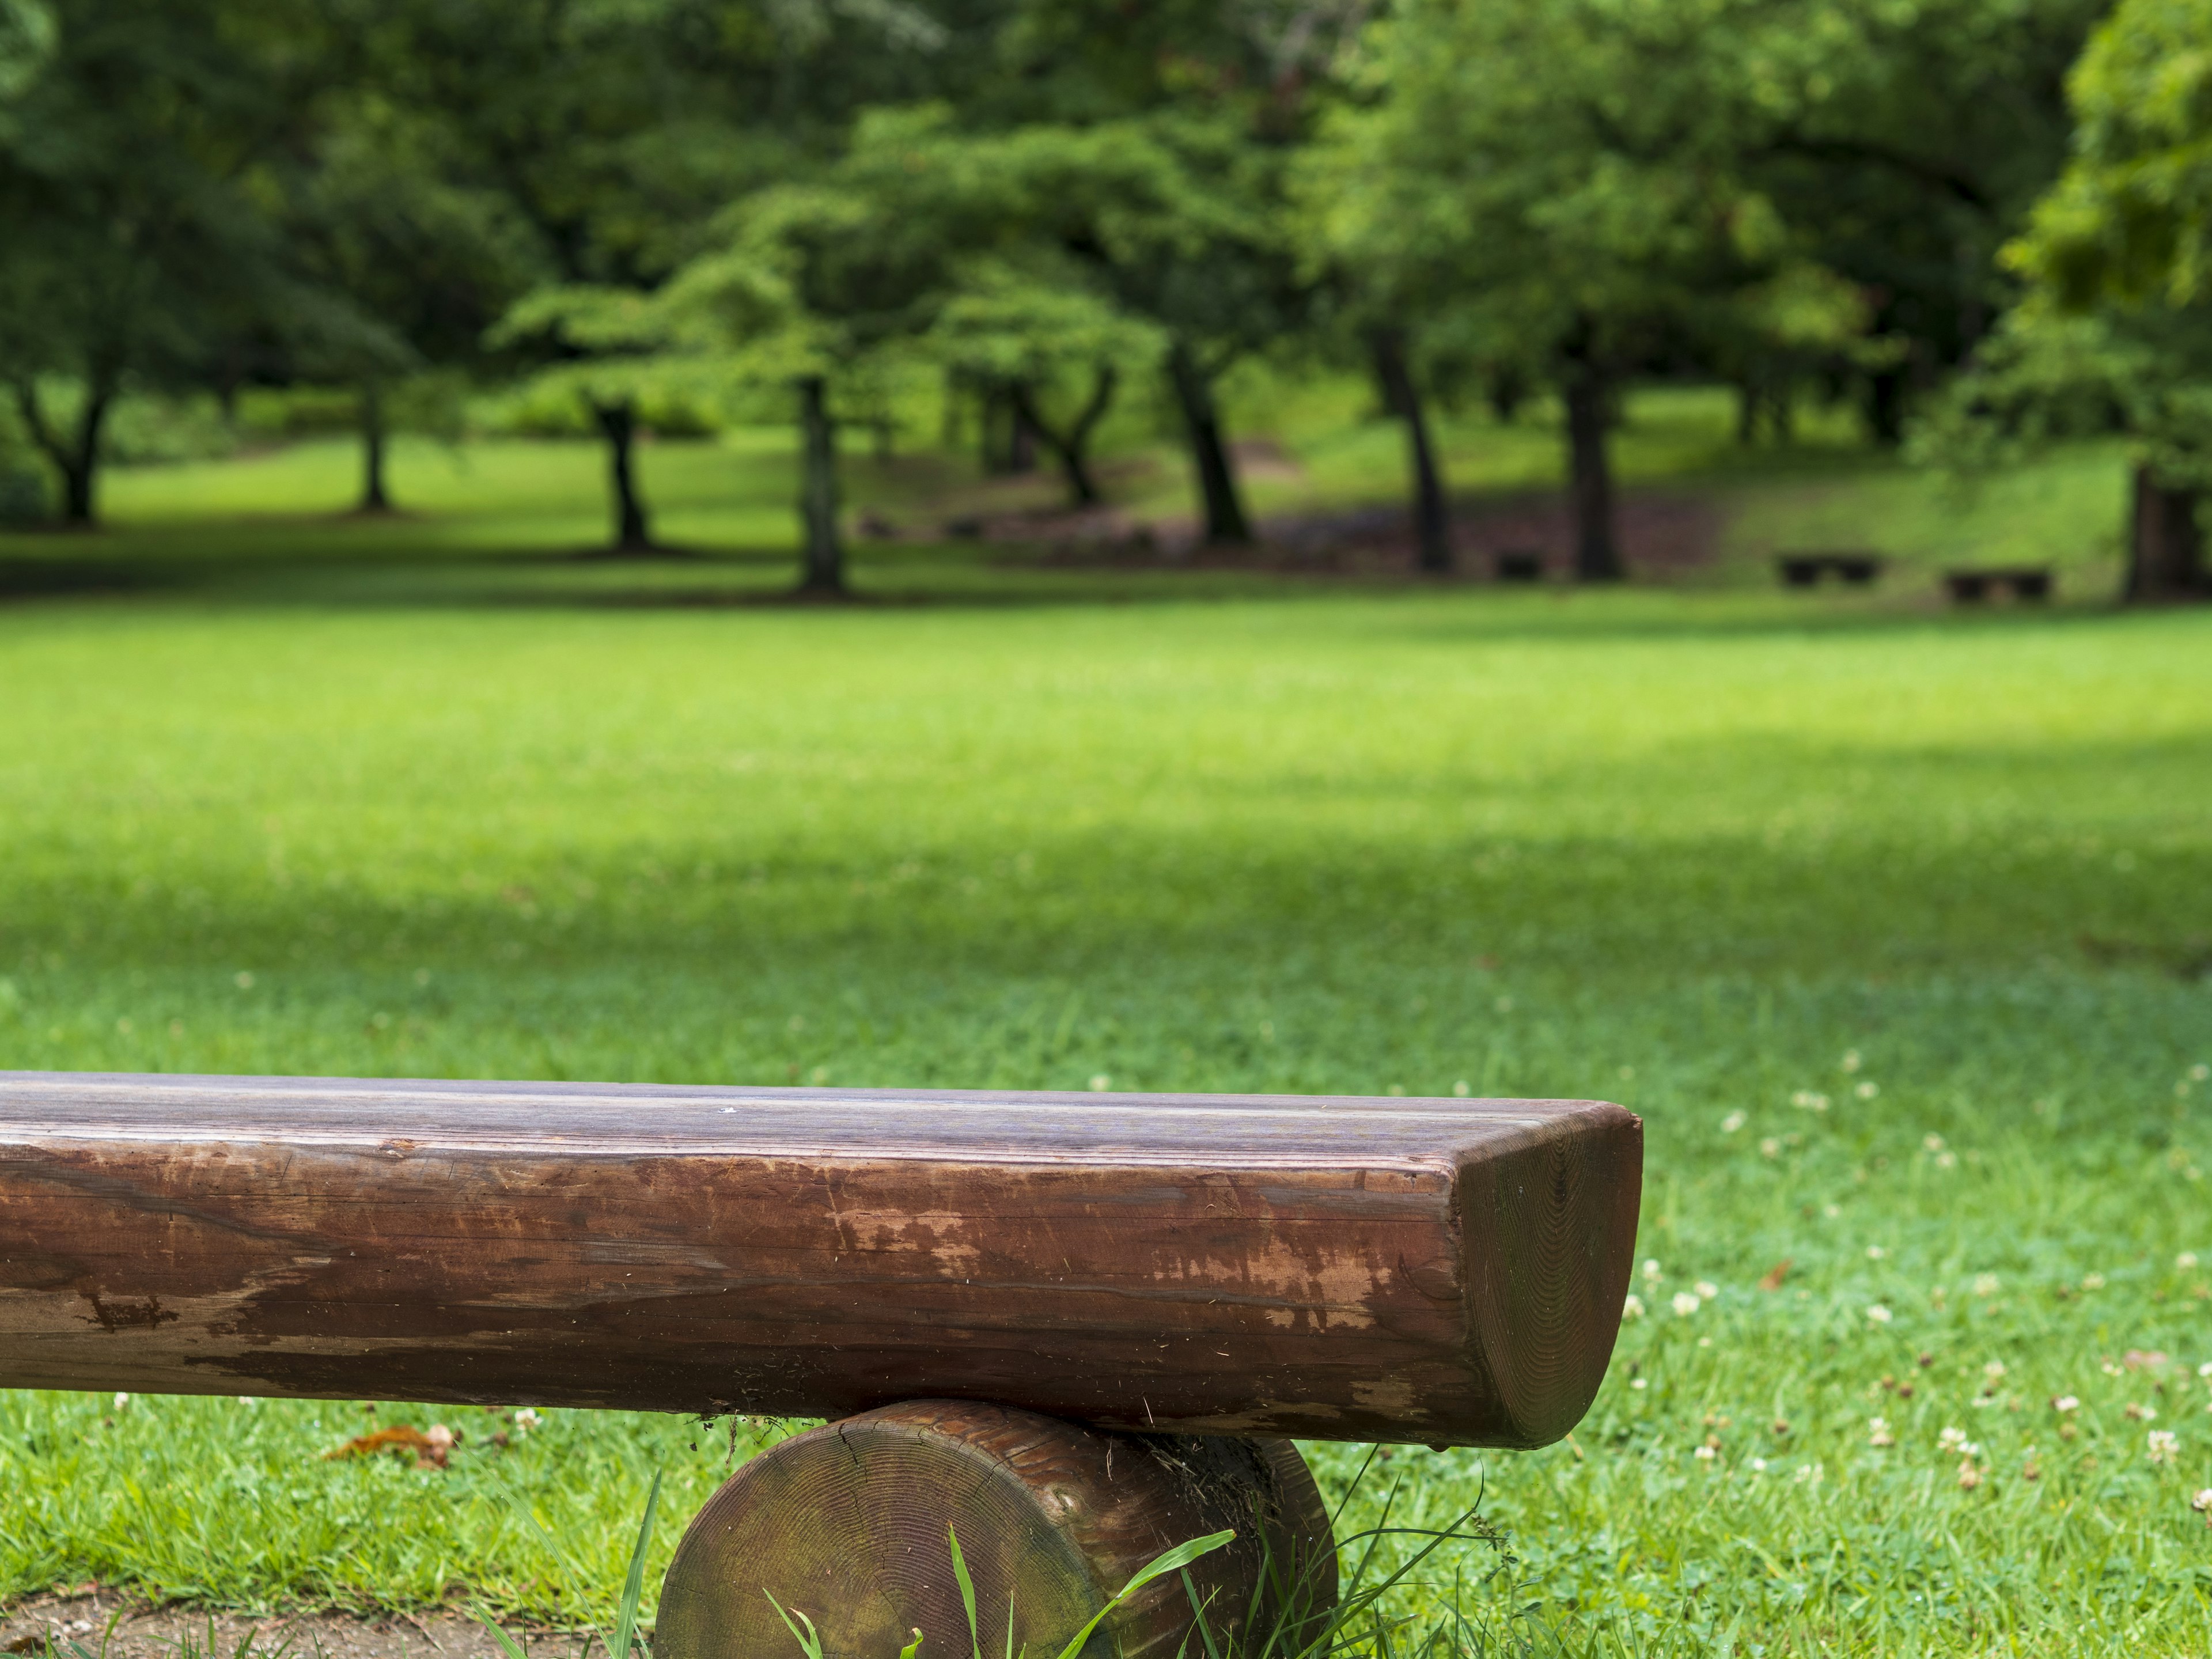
{"x":133,"y":564}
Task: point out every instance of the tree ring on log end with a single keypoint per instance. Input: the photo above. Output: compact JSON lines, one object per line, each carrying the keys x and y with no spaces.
{"x":847,"y":1524}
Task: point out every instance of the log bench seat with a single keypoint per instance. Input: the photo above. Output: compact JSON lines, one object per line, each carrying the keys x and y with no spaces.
{"x":1071,"y":1272}
{"x":2023,"y":581}
{"x":1854,"y":568}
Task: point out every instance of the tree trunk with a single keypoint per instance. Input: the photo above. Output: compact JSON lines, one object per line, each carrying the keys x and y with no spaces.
{"x":1886,"y":389}
{"x":1746,"y":412}
{"x":1008,"y":446}
{"x":77,"y":455}
{"x":1225,"y":511}
{"x":817,"y":498}
{"x":81,"y":461}
{"x":1072,"y":446}
{"x":2165,"y":547}
{"x":1597,"y":547}
{"x":1431,"y":512}
{"x":373,"y":496}
{"x":618,"y":425}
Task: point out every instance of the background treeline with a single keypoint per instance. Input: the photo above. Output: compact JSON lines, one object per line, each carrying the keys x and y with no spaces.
{"x":1983,"y":223}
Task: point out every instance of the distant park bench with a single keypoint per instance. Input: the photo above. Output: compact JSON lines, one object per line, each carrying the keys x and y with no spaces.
{"x":2023,"y":581}
{"x":1806,"y":569}
{"x":998,"y":1294}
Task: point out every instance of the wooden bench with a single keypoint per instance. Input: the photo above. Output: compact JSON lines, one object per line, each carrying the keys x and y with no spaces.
{"x":2022,"y":581}
{"x":998,"y":1293}
{"x":1806,"y":569}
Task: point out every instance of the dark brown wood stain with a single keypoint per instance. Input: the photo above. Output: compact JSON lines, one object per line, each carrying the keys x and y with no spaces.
{"x":1437,"y":1270}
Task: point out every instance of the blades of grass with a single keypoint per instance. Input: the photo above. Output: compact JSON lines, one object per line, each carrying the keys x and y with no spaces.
{"x":967,"y":1592}
{"x":1010,"y":1626}
{"x":1173,"y":1561}
{"x":569,"y":1565}
{"x":507,"y":1645}
{"x":1198,"y":1613}
{"x":634,"y":1581}
{"x":911,"y":1648}
{"x":810,"y":1639}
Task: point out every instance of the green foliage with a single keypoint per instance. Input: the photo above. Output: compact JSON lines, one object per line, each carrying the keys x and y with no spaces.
{"x":2114,"y":335}
{"x":2131,"y":220}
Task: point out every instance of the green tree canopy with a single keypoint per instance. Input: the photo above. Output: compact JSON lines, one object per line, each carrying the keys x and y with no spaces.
{"x":2117,"y":331}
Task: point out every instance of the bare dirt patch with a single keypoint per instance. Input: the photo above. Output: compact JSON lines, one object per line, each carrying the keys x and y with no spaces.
{"x":1663,"y":535}
{"x":105,"y":1621}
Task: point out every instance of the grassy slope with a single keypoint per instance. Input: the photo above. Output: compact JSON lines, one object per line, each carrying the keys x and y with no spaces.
{"x":1687,"y":851}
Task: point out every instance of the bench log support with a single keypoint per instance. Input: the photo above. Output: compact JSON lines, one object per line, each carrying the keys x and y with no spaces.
{"x":848,"y":1524}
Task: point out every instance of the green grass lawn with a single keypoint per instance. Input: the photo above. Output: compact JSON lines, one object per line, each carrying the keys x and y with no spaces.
{"x":1894,"y":924}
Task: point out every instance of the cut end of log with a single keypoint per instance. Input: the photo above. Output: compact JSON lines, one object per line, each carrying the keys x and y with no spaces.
{"x":1550,"y":1239}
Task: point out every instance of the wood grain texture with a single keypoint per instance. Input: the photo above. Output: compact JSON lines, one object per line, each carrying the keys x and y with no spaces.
{"x":848,"y":1524}
{"x":1441,"y":1271}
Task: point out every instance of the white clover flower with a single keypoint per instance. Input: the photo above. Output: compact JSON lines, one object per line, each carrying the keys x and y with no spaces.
{"x":2065,"y":1402}
{"x":2185,"y":1260}
{"x":2203,"y":1502}
{"x":526,"y":1419}
{"x":1808,"y":1474}
{"x":2200,"y":1073}
{"x":1874,"y":1253}
{"x":1651,"y":1273}
{"x":1685,"y":1303}
{"x":1994,"y":1369}
{"x":1809,"y":1100}
{"x":1947,"y":1160}
{"x":1952,"y":1440}
{"x":2165,"y":1446}
{"x":1100,"y":1083}
{"x":1769,"y":1147}
{"x":1985,"y":1284}
{"x":122,"y":1400}
{"x":2093,"y":1281}
{"x":1879,"y":1315}
{"x":1932,"y":1143}
{"x":1734,"y":1122}
{"x":1758,"y":1466}
{"x":1879,"y":1433}
{"x":1850,"y":1059}
{"x":1867,"y":1091}
{"x":2205,"y":1369}
{"x":1704,"y":1454}
{"x":1632,"y":1308}
{"x":1640,"y":1383}
{"x":1707,"y":1289}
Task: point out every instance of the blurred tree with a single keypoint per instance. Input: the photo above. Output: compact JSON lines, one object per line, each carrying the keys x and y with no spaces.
{"x":1905,"y":143}
{"x":618,"y":131}
{"x":1054,"y":346}
{"x":610,"y":133}
{"x":2116,"y":332}
{"x":806,"y":285}
{"x":1566,"y":179}
{"x":382,"y":216}
{"x":137,"y":156}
